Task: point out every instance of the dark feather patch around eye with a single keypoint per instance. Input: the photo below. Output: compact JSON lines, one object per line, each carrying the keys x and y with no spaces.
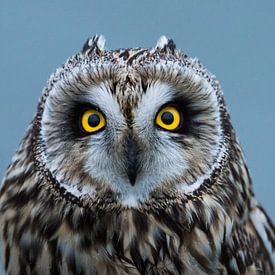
{"x":72,"y":118}
{"x":191,"y":111}
{"x":184,"y":109}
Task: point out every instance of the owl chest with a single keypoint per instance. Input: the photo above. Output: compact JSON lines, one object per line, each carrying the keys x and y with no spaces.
{"x":118,"y":245}
{"x":105,"y":252}
{"x":126,"y":243}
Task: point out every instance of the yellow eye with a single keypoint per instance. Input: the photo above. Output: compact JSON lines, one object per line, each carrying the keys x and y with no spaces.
{"x":168,"y":118}
{"x":92,"y":121}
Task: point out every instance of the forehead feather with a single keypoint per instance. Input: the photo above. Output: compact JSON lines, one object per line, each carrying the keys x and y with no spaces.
{"x":127,"y":70}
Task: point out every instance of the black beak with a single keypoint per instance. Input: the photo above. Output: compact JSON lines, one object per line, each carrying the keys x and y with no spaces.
{"x":132,"y":160}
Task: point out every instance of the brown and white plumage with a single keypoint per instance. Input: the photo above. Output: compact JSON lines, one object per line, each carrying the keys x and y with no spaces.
{"x":132,"y":198}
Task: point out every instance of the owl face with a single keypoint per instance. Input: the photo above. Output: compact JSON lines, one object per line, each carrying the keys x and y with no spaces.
{"x":134,"y":122}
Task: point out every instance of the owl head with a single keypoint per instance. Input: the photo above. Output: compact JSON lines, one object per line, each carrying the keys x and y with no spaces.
{"x":133,"y":123}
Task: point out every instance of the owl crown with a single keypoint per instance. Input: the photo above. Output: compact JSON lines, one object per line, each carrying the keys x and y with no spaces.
{"x":95,"y":45}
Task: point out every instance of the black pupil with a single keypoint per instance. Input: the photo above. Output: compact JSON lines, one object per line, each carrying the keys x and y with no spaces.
{"x":93,"y":120}
{"x":167,"y":118}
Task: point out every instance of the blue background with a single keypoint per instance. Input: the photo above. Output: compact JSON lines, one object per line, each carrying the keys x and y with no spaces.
{"x":234,"y":39}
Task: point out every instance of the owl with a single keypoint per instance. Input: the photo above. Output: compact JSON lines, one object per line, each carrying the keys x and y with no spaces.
{"x":131,"y":166}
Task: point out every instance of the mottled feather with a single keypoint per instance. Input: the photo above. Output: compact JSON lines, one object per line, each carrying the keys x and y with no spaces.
{"x":67,"y":205}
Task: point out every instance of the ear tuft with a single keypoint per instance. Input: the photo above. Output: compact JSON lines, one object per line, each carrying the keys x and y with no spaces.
{"x":94,"y":45}
{"x":165,"y":44}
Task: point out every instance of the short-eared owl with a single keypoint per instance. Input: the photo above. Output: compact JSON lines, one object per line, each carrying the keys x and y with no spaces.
{"x":131,"y":166}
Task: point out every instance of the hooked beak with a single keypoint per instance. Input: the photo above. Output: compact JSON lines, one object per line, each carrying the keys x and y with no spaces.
{"x":132,"y":152}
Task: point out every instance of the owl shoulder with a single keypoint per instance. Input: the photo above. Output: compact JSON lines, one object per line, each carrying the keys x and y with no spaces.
{"x":251,"y":247}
